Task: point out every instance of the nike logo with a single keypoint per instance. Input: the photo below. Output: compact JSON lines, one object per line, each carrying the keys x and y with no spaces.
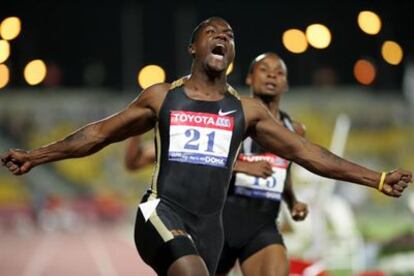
{"x":221,"y":113}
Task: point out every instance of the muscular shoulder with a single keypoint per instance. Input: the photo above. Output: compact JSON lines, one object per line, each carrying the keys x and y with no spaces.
{"x":252,"y":106}
{"x":155,"y":91}
{"x":153,"y":96}
{"x":254,"y":110}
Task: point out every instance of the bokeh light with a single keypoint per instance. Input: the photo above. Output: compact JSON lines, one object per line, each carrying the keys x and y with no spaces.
{"x":318,"y":36}
{"x":4,"y":75}
{"x":294,"y":41}
{"x":229,"y":69}
{"x":4,"y":50}
{"x":364,"y":72}
{"x":150,"y":75}
{"x":10,"y":28}
{"x":35,"y":72}
{"x":369,"y":22}
{"x":392,"y":52}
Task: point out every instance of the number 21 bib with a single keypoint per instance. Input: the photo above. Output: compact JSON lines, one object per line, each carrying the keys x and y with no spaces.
{"x":200,"y":138}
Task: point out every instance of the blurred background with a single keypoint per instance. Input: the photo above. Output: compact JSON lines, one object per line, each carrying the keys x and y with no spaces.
{"x":66,"y":63}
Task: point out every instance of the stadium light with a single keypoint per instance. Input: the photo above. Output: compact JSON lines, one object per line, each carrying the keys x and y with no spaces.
{"x":369,"y":22}
{"x":294,"y":41}
{"x":4,"y":50}
{"x":364,"y":72}
{"x":10,"y":28}
{"x":318,"y":36}
{"x":4,"y":75}
{"x":392,"y":52}
{"x":35,"y":72}
{"x":149,"y":75}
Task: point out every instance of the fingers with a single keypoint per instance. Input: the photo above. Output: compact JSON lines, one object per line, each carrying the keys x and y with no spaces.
{"x":299,"y":211}
{"x":398,"y":181}
{"x":406,"y":175}
{"x":25,"y":167}
{"x":265,"y":174}
{"x":16,"y":171}
{"x":395,"y":190}
{"x":265,"y":169}
{"x":387,"y":189}
{"x":13,"y":167}
{"x":403,"y":184}
{"x":407,"y":178}
{"x":396,"y":193}
{"x":5,"y":157}
{"x":268,"y":169}
{"x":268,"y":172}
{"x":299,"y":215}
{"x":399,"y":188}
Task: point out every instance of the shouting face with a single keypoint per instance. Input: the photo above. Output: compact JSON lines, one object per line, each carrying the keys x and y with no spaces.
{"x":213,"y":45}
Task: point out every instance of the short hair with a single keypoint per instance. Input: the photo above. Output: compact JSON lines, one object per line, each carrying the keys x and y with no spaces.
{"x":261,"y":57}
{"x":201,"y":26}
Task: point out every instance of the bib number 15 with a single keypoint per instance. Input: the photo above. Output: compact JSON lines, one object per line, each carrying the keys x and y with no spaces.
{"x":270,"y":182}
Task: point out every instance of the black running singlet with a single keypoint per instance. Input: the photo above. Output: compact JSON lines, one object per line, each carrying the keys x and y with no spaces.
{"x":266,"y":192}
{"x":196,"y":144}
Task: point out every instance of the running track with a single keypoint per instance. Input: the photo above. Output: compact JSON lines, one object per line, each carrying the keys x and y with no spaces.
{"x":93,"y":251}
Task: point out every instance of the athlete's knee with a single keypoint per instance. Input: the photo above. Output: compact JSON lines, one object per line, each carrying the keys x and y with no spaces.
{"x":191,"y":265}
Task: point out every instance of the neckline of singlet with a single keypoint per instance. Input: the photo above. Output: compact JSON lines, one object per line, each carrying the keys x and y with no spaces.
{"x":180,"y":83}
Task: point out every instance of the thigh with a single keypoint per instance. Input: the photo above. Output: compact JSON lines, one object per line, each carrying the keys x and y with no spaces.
{"x":161,"y":240}
{"x":207,"y":233}
{"x":188,"y":265}
{"x":265,"y":253}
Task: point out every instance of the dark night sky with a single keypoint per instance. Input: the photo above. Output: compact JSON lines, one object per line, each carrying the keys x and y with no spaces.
{"x":75,"y":34}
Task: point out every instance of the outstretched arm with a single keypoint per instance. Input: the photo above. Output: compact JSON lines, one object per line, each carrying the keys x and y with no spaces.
{"x":137,"y":118}
{"x":138,"y":155}
{"x":262,"y":126}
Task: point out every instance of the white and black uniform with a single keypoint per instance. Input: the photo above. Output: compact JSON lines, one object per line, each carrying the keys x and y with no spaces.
{"x":252,"y":206}
{"x":197,"y":143}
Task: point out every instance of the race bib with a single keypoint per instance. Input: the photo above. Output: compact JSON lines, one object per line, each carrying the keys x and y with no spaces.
{"x":200,"y":138}
{"x":258,"y":187}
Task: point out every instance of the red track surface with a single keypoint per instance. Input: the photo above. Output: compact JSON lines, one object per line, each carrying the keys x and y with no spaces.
{"x":100,"y":251}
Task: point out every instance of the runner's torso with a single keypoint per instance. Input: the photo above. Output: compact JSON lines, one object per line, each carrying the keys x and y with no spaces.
{"x":197,"y":143}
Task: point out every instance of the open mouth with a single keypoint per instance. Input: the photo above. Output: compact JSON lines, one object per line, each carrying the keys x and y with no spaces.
{"x":219,"y":51}
{"x":270,"y":85}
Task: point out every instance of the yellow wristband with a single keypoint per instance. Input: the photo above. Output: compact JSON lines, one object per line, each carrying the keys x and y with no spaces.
{"x":381,"y":184}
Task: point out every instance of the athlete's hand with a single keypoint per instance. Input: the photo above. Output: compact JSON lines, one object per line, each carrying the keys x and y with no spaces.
{"x":299,"y":211}
{"x":257,"y":168}
{"x":16,"y":161}
{"x":396,"y":181}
